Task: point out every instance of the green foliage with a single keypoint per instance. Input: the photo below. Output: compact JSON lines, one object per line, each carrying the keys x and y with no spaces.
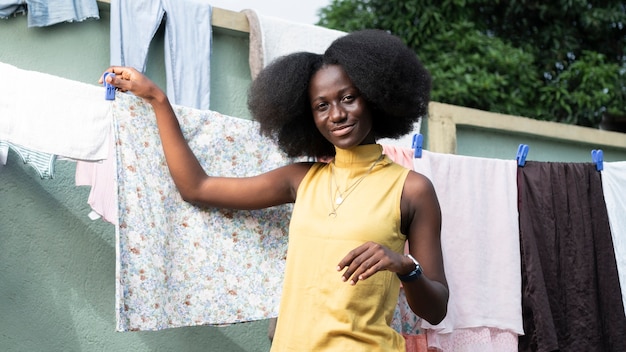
{"x":562,"y":60}
{"x":585,"y":90}
{"x":484,"y":72}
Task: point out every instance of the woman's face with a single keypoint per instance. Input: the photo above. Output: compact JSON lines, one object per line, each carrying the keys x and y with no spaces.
{"x":340,"y":113}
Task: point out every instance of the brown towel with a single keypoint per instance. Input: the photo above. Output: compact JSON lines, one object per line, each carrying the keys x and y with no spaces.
{"x":571,"y":297}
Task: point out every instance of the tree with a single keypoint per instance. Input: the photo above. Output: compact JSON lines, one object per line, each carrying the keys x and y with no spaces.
{"x":562,"y":60}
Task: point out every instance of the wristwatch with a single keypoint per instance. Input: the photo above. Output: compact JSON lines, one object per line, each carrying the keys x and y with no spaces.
{"x":413,"y":275}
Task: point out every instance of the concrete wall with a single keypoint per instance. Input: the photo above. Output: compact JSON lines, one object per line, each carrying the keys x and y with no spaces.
{"x":459,"y":130}
{"x":57,"y":267}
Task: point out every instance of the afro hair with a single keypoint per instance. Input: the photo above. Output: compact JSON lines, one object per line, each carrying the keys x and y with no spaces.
{"x":387,"y":73}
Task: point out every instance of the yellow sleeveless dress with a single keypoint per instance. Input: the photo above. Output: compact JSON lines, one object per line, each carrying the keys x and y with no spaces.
{"x":318,"y":311}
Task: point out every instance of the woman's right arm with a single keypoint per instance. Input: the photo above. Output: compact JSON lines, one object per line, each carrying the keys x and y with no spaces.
{"x":195,"y":186}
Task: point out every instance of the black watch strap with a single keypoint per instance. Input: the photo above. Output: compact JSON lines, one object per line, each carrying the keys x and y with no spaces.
{"x":413,"y":275}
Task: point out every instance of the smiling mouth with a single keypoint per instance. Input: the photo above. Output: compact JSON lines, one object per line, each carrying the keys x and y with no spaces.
{"x":342,"y":130}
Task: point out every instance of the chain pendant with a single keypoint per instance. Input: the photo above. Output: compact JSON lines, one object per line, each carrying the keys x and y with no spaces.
{"x":339,"y":196}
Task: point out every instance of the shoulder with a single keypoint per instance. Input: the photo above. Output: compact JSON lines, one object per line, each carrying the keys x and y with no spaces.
{"x":417,"y":184}
{"x":297,"y":171}
{"x":418,"y":193}
{"x":420,"y":208}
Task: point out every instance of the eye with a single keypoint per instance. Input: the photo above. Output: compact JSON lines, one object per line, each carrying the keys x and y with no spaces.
{"x":321,"y":107}
{"x":348,"y":98}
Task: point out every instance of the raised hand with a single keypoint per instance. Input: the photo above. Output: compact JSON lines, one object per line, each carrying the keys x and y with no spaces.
{"x":129,"y":79}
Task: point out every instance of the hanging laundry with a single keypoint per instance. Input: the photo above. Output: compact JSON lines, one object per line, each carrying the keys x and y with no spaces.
{"x":43,"y":163}
{"x":101,"y":177}
{"x":399,"y":155}
{"x":480,"y":243}
{"x":12,"y":8}
{"x":54,"y":115}
{"x":188,"y":44}
{"x":614,"y":189}
{"x":571,"y":294}
{"x":183,"y":265}
{"x":272,"y":37}
{"x":42,"y":13}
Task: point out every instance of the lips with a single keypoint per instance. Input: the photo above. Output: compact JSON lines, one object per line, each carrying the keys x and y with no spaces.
{"x":342,"y":130}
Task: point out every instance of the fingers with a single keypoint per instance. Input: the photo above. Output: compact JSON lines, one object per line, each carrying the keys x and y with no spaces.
{"x":101,"y":79}
{"x":129,"y":79}
{"x":126,"y":73}
{"x":121,"y":74}
{"x":119,"y":82}
{"x":365,"y":261}
{"x":351,"y":256}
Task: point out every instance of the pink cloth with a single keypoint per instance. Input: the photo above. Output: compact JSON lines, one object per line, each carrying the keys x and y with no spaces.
{"x":484,"y":311}
{"x":416,"y":343}
{"x":474,"y":340}
{"x":400,"y":155}
{"x":100,"y":176}
{"x":480,"y":242}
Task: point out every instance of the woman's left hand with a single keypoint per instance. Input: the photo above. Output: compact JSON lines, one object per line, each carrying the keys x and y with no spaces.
{"x":368,"y":259}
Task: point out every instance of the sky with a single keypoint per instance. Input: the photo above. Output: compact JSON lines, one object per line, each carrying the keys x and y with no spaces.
{"x":302,"y":11}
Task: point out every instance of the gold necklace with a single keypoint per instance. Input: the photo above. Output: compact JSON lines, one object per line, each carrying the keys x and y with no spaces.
{"x":339,"y":196}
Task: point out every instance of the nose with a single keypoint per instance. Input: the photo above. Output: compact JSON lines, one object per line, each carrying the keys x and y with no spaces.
{"x":336,"y":113}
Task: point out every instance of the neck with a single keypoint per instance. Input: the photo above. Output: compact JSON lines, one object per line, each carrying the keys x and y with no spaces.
{"x":364,"y":154}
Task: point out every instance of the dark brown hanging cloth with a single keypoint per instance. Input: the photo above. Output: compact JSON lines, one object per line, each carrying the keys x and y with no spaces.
{"x":571,"y":298}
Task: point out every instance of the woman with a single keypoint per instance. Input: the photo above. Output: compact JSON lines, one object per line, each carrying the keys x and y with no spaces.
{"x":352,"y":215}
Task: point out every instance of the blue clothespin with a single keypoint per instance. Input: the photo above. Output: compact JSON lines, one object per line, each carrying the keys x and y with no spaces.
{"x":522,"y":153}
{"x":418,"y":139}
{"x":110,"y":90}
{"x":597,"y":156}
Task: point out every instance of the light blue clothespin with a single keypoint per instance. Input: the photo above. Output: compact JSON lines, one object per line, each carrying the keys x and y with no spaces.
{"x":418,"y":140}
{"x":597,"y":156}
{"x":110,"y":89}
{"x":522,"y":153}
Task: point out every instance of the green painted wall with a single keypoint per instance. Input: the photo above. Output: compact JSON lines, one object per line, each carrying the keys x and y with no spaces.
{"x":482,"y":142}
{"x":57,"y":267}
